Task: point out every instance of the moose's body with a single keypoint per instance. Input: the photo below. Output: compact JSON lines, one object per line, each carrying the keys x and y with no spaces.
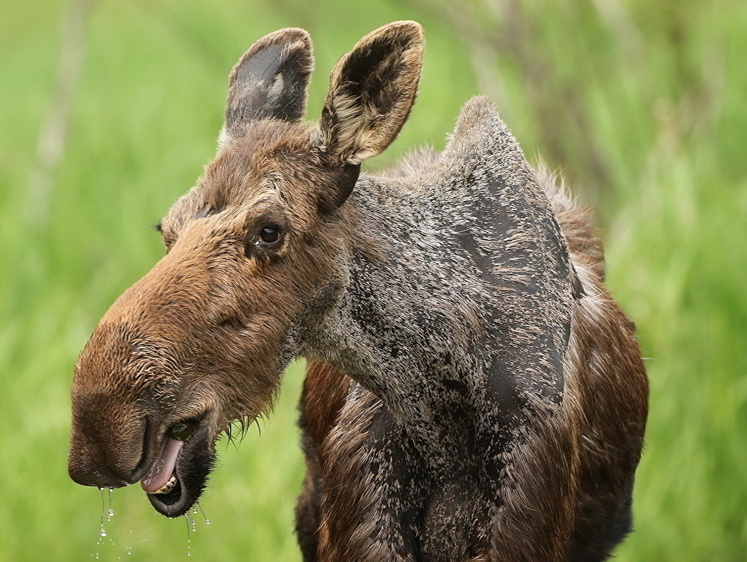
{"x":445,"y":393}
{"x":472,"y":393}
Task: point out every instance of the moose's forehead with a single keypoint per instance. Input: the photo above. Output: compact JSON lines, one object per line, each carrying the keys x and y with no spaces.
{"x":269,"y":154}
{"x":268,"y":150}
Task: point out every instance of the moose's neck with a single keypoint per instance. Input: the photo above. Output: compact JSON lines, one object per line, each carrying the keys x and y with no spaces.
{"x":407,"y":324}
{"x":405,"y":313}
{"x":426,"y":325}
{"x":458,"y":295}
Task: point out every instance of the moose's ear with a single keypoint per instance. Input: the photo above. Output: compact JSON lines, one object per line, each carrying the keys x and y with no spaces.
{"x":372,"y":90}
{"x":269,"y":81}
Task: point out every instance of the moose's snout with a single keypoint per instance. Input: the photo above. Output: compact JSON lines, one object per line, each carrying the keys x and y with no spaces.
{"x":123,"y":377}
{"x":107,"y":446}
{"x":111,"y":389}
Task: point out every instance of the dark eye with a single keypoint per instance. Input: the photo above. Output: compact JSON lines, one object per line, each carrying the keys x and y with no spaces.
{"x":265,"y":241}
{"x":269,"y":234}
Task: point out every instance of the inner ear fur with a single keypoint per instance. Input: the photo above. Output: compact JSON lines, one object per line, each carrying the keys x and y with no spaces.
{"x":270,"y":80}
{"x":372,"y":89}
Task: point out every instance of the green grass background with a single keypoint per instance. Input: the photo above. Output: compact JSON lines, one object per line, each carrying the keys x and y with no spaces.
{"x":640,"y":103}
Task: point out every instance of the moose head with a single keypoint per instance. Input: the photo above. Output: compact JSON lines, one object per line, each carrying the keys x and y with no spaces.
{"x":255,"y":254}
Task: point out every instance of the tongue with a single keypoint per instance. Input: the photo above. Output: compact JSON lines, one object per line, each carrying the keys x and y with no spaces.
{"x":163,"y":468}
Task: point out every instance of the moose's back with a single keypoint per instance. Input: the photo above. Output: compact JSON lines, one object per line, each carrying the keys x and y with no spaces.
{"x":534,"y":408}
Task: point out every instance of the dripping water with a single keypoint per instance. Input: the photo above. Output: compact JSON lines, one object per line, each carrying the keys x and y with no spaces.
{"x":102,"y":530}
{"x":207,"y":521}
{"x":110,"y":511}
{"x":129,"y":548}
{"x":191,"y":520}
{"x":191,"y":527}
{"x":107,"y":514}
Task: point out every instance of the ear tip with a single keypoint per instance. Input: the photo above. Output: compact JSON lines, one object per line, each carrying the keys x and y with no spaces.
{"x":293,"y":38}
{"x":296,"y":42}
{"x":285,"y":35}
{"x":405,"y":35}
{"x":409,"y":28}
{"x":294,"y":34}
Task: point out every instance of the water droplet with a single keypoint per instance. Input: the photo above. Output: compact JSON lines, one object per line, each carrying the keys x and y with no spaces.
{"x":106,"y":513}
{"x":190,"y":527}
{"x":110,"y":511}
{"x":207,"y":521}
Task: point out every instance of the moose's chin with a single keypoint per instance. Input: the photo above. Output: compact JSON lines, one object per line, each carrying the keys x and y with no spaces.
{"x":184,"y":466}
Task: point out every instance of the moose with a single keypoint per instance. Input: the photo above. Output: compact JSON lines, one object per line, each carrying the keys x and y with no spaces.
{"x":472,"y":390}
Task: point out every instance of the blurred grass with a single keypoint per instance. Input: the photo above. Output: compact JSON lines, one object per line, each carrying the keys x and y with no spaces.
{"x":640,"y":104}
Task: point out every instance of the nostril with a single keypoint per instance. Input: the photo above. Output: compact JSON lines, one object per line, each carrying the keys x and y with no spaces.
{"x":142,"y":465}
{"x":86,"y":474}
{"x":104,"y":458}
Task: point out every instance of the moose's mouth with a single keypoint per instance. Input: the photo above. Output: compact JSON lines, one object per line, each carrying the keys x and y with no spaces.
{"x":179,"y":473}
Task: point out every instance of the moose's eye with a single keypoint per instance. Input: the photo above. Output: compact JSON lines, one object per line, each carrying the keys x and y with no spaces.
{"x":264,"y":242}
{"x":269,"y":234}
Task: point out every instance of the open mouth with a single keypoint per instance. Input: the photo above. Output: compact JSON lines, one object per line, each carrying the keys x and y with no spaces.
{"x":178,"y":474}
